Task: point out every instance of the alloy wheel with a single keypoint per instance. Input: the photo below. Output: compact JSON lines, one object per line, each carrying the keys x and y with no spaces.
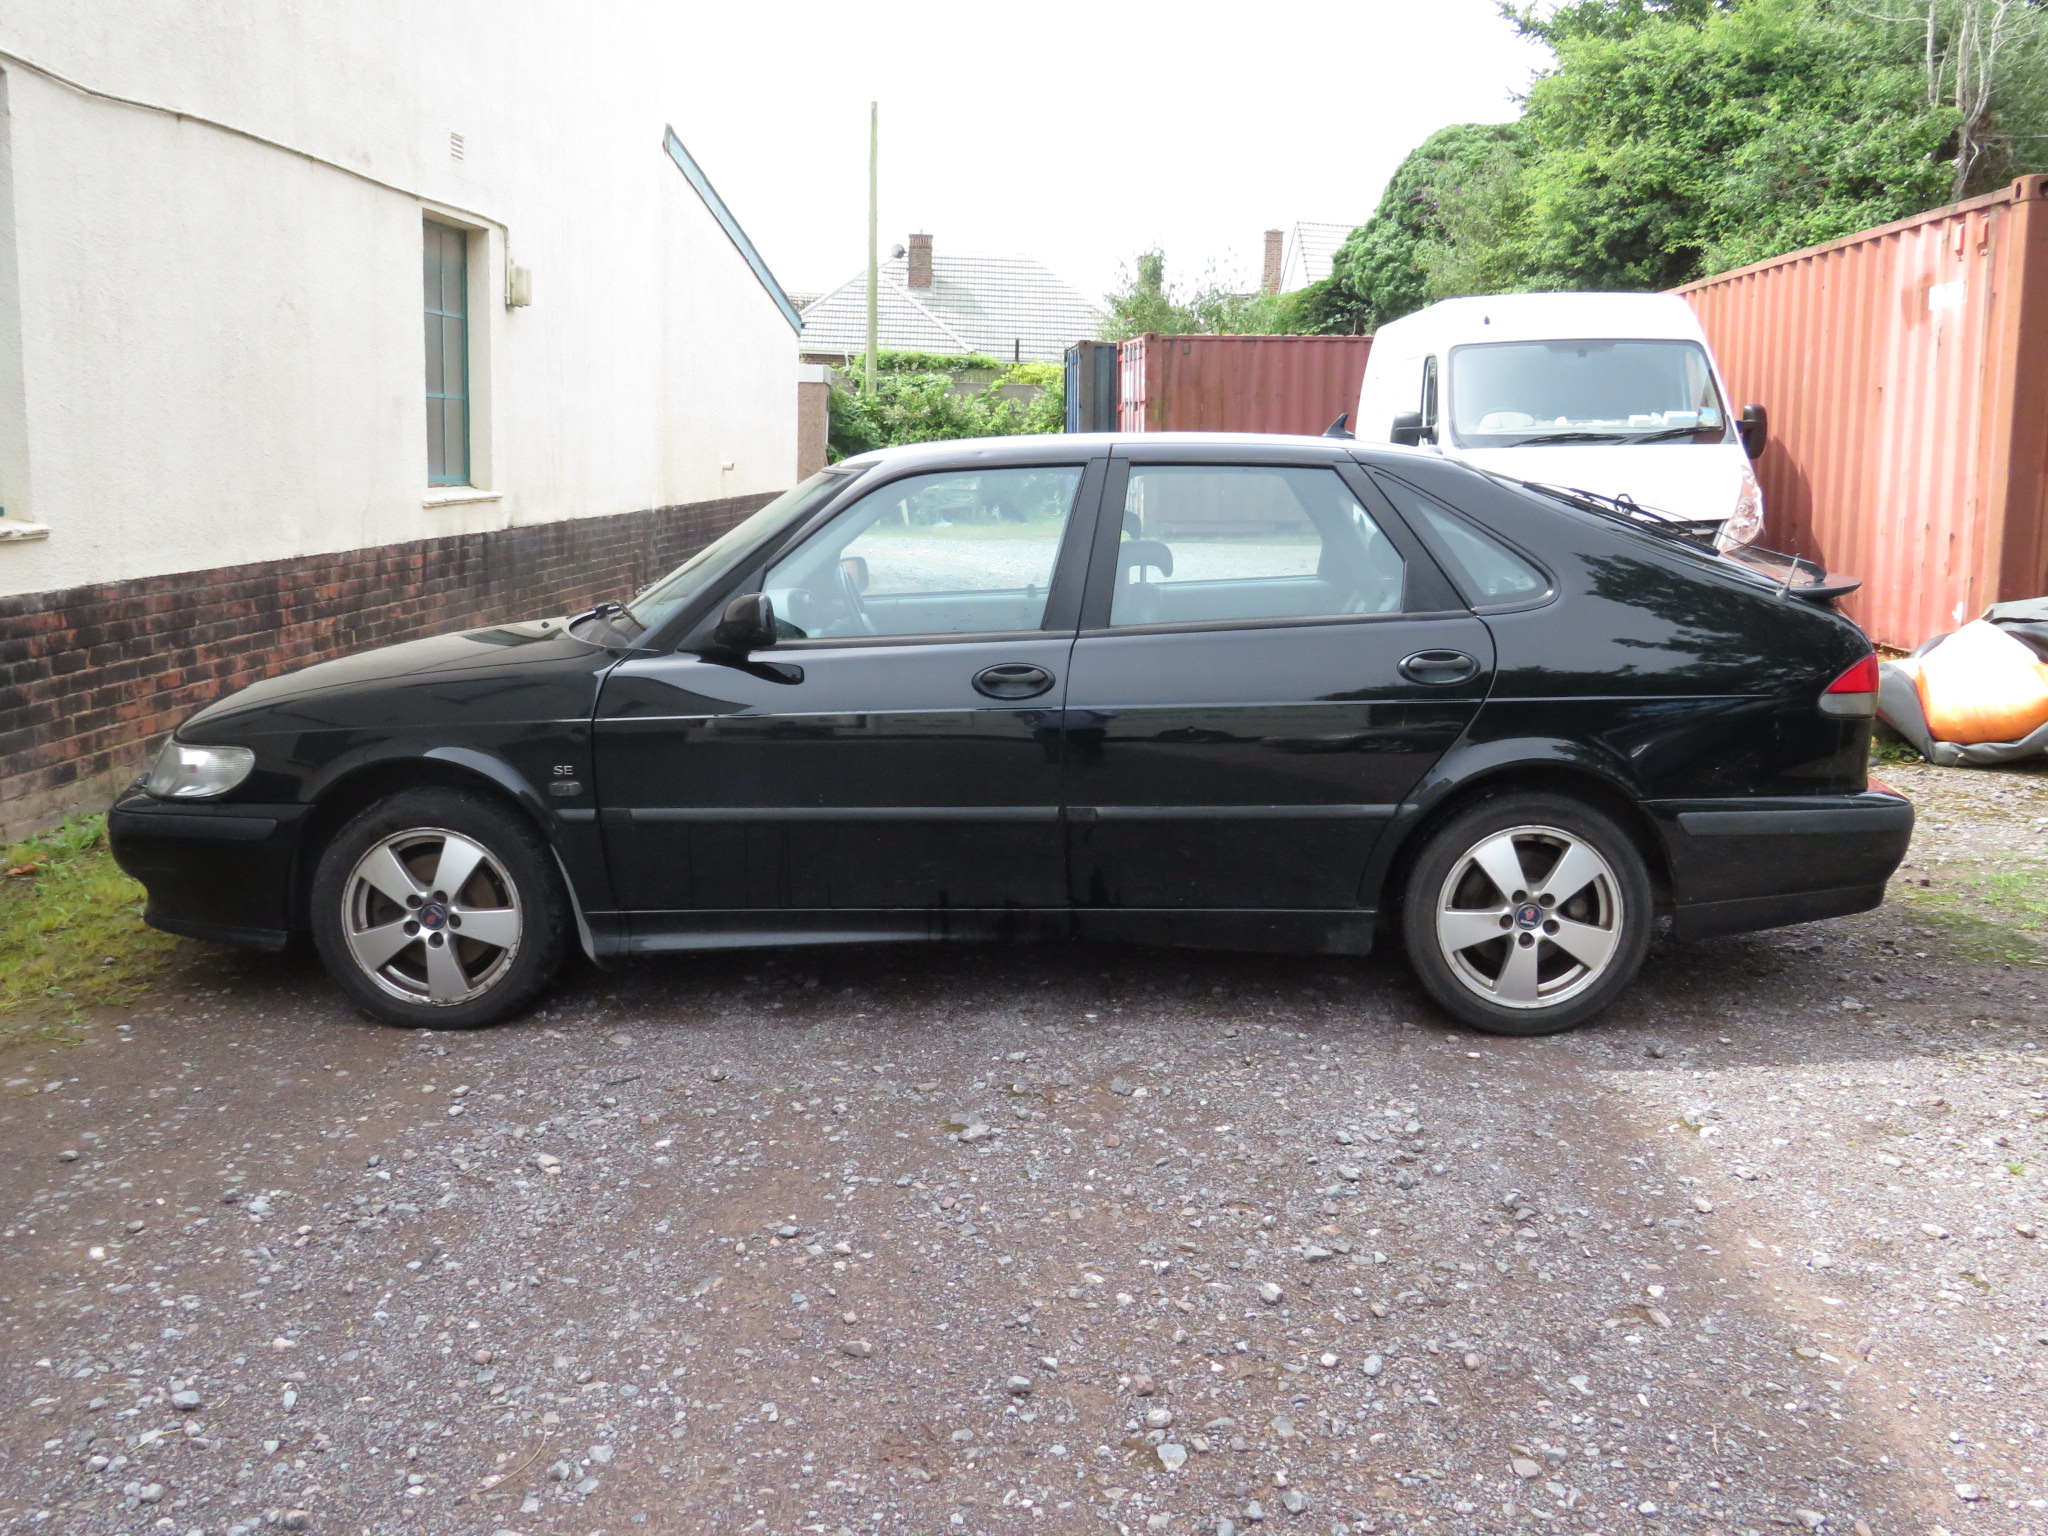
{"x":1530,"y":916}
{"x":431,"y":916}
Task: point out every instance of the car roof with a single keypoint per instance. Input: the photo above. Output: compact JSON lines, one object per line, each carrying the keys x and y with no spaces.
{"x":1065,"y":447}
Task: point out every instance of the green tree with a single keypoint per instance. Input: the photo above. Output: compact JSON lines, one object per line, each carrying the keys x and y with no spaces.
{"x":1146,"y":303}
{"x":1676,"y":138}
{"x":1451,"y":199}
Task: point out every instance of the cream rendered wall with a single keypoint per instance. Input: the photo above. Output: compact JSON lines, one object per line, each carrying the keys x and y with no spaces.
{"x":220,"y":353}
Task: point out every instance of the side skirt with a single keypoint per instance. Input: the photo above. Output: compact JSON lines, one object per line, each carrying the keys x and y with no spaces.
{"x":1347,"y":932}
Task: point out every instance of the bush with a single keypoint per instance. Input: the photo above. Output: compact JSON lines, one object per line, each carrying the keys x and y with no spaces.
{"x":920,"y":407}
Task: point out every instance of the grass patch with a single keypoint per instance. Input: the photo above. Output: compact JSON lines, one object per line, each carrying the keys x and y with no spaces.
{"x":1972,"y":937}
{"x":71,"y":928}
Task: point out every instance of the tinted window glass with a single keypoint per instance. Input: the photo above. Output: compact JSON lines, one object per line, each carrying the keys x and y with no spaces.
{"x":1220,"y":542}
{"x":945,"y":554}
{"x":1488,"y":570}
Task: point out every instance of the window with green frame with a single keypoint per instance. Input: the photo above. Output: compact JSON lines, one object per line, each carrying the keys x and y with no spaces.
{"x":447,"y":296}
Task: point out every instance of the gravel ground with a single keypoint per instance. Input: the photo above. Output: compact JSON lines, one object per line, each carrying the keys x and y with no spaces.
{"x":1060,"y":1238}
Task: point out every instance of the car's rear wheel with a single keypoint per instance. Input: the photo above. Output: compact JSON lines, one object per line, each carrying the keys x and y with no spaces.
{"x":436,"y":909}
{"x":1527,"y":913}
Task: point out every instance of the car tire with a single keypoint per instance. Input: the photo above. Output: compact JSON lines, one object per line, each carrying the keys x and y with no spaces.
{"x":1527,"y":913}
{"x":398,"y":886}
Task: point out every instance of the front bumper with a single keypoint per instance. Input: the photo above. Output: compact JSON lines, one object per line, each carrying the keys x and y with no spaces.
{"x":1738,"y":865}
{"x":220,"y":872}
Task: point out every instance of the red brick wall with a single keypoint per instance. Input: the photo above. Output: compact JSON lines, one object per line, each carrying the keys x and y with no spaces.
{"x":92,"y":678}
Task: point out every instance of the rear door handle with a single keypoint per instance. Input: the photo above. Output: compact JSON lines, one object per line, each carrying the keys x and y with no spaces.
{"x":1439,"y":667}
{"x":1012,"y":680}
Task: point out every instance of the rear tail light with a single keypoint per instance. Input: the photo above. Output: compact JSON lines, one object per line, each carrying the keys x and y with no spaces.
{"x":1854,"y":693}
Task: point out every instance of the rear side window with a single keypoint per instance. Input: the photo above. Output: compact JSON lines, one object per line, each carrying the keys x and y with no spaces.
{"x":1489,"y":572}
{"x":1222,"y":543}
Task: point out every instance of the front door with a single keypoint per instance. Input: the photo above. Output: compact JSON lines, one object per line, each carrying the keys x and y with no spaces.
{"x":1268,"y":663}
{"x":898,"y":748}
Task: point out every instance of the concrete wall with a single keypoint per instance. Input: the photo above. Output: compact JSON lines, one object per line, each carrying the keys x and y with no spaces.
{"x":211,"y":348}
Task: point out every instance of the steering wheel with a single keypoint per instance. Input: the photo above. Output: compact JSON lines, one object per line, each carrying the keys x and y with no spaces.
{"x":849,"y":592}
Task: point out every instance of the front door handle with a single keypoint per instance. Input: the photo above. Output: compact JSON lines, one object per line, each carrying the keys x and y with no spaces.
{"x":1439,"y":667}
{"x":1012,"y":680}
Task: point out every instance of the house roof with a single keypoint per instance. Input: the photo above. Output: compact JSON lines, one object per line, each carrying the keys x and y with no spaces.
{"x":1309,"y":250}
{"x":1009,"y":307}
{"x":694,"y":174}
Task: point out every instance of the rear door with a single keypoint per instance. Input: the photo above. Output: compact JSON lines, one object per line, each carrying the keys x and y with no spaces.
{"x":1268,"y":662}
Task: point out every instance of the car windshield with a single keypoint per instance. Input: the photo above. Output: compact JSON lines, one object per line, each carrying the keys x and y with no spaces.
{"x":654,"y":605}
{"x":1512,"y":394}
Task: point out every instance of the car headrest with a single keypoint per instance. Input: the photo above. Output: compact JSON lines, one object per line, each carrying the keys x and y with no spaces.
{"x":1135,"y":554}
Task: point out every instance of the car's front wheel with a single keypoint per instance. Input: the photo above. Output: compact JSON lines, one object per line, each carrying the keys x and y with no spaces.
{"x":1527,"y":913}
{"x":437,"y":909}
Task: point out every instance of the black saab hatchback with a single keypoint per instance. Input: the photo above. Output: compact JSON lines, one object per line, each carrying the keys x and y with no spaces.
{"x":1248,"y":692}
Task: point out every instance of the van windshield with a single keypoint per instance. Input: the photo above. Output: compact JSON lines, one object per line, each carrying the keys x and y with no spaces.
{"x":1514,"y":394}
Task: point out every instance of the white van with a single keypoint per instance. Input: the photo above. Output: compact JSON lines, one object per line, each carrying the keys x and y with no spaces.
{"x":1613,"y":393}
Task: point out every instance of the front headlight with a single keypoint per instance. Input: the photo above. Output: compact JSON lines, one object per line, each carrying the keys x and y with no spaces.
{"x":198,"y":773}
{"x":1747,"y":520}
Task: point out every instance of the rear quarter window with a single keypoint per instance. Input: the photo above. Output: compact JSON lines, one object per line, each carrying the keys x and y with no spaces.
{"x":1488,"y":572}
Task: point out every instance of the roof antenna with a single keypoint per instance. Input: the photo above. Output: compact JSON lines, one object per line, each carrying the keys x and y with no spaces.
{"x":1337,"y":427}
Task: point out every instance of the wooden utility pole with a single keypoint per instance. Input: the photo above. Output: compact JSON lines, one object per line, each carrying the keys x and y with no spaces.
{"x":874,"y":250}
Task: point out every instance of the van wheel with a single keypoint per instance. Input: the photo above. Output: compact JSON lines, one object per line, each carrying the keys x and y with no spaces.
{"x":436,"y":909}
{"x":1527,"y":914}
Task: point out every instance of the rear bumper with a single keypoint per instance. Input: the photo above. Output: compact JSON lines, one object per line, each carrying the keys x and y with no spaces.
{"x":1738,"y":865}
{"x":212,"y":872}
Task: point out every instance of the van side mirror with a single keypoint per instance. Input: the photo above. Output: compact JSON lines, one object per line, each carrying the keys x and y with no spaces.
{"x":1754,"y":429}
{"x":747,"y":625}
{"x":1407,"y":429}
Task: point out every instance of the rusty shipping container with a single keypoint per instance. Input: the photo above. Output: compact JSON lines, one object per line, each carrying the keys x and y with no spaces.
{"x":1240,"y":383}
{"x":1906,"y":374}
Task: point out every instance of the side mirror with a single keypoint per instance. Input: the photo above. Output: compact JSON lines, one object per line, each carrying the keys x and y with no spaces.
{"x":856,"y":568}
{"x":747,"y":625}
{"x":1754,"y":429}
{"x":1407,"y":429}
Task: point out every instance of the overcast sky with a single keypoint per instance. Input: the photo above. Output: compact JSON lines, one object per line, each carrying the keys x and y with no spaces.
{"x":1079,"y":134}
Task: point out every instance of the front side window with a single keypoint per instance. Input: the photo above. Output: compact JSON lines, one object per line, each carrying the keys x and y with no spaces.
{"x":1209,"y":543}
{"x":1511,"y":394}
{"x":963,"y":552}
{"x":447,"y":285}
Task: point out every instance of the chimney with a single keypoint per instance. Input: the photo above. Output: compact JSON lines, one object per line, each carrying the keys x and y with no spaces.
{"x":1271,"y":284}
{"x":920,"y":268}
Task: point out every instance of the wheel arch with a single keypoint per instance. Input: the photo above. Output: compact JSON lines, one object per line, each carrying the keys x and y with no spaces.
{"x":360,"y":786}
{"x":1451,"y":791}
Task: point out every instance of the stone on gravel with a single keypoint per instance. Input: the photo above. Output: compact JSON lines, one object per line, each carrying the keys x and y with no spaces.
{"x":1172,"y":1456}
{"x":1522,"y":1466}
{"x":187,"y":1401}
{"x":1271,"y":1294}
{"x":860,"y":1349}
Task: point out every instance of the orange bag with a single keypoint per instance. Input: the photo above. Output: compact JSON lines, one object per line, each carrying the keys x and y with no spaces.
{"x":1981,"y":685}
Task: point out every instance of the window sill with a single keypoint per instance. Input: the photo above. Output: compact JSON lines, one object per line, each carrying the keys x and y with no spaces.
{"x":458,"y":495}
{"x":15,"y":531}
